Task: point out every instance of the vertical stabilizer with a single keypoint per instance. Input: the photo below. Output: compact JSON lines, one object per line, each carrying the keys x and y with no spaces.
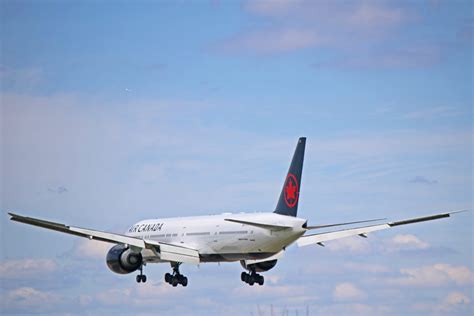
{"x":290,"y":194}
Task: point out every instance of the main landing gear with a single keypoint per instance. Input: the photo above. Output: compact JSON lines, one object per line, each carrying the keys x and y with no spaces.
{"x":141,"y":277}
{"x":176,"y":278}
{"x":252,"y":278}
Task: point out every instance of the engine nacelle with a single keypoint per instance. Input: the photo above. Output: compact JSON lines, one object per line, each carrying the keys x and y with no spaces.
{"x":122,"y":260}
{"x":259,"y":267}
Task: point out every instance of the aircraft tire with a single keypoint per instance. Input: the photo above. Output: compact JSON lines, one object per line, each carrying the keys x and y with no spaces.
{"x":168,"y":278}
{"x":251,"y":280}
{"x":174,"y":281}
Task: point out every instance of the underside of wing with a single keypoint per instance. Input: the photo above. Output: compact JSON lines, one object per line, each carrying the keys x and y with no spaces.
{"x":363,"y":231}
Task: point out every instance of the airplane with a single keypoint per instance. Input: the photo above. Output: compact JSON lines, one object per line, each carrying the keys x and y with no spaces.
{"x":256,"y":240}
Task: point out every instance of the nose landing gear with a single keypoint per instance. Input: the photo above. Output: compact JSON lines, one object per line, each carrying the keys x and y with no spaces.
{"x":176,"y":278}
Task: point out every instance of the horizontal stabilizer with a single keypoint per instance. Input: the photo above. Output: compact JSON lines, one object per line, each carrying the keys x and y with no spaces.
{"x":261,"y":225}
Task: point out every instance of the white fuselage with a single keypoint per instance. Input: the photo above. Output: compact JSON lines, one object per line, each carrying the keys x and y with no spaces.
{"x":217,"y":239}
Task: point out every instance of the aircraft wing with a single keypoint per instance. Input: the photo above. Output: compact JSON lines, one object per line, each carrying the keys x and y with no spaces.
{"x":363,"y":231}
{"x":78,"y":231}
{"x":167,"y":252}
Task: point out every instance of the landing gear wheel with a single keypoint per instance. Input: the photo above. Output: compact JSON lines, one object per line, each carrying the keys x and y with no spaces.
{"x":247,"y":278}
{"x":141,"y":277}
{"x":176,"y":278}
{"x":168,"y":278}
{"x":251,"y":279}
{"x":174,"y":281}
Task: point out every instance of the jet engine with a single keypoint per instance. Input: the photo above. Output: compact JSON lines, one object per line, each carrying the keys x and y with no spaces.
{"x":122,"y":260}
{"x":260,"y":266}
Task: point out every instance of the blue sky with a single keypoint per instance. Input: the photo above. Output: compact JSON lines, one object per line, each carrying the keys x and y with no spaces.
{"x":112,"y":112}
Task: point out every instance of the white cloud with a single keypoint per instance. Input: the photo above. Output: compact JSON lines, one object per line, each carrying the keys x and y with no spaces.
{"x":284,"y":294}
{"x":115,"y":296}
{"x":436,"y":275}
{"x":456,"y":298}
{"x":147,"y":294}
{"x":351,"y":244}
{"x":454,"y":302}
{"x":91,"y":249}
{"x":274,"y":41}
{"x":27,"y":268}
{"x":372,"y":15}
{"x":354,"y":309}
{"x":273,"y":278}
{"x":366,"y":267}
{"x":354,"y":29}
{"x":361,"y":33}
{"x":29,"y":298}
{"x":271,"y":7}
{"x":355,"y":14}
{"x":348,"y":292}
{"x":406,"y":242}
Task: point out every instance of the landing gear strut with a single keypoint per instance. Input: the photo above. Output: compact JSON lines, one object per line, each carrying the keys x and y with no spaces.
{"x":252,"y":278}
{"x":176,"y":278}
{"x":141,"y":277}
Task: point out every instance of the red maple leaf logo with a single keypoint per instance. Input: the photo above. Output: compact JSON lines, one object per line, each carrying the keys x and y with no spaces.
{"x":291,"y":190}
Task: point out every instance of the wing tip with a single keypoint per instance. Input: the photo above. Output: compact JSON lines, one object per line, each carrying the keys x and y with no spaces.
{"x":12,"y":215}
{"x":459,"y":211}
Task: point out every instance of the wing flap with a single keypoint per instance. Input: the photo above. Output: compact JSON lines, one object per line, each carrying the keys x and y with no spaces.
{"x":318,"y":238}
{"x":174,"y":253}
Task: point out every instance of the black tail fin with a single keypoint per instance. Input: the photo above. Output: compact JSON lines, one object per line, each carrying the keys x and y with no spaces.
{"x":288,"y":202}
